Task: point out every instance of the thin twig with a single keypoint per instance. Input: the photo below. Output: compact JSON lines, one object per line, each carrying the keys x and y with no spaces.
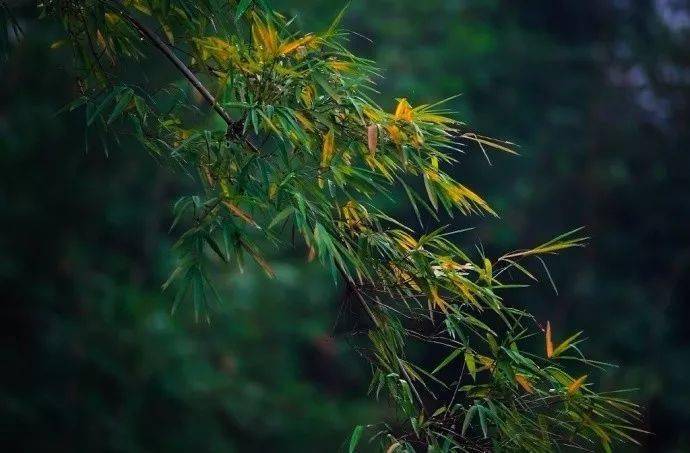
{"x":153,"y":37}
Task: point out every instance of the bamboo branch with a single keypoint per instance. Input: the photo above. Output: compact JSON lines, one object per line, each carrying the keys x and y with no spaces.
{"x":153,"y":37}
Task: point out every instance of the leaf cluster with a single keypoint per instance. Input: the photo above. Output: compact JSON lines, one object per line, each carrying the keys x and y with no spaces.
{"x":300,"y":155}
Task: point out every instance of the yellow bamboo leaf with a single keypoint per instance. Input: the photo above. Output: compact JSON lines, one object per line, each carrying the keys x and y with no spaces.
{"x":112,"y":18}
{"x":307,"y":95}
{"x":432,"y":118}
{"x":100,"y":40}
{"x":291,"y":46}
{"x":352,"y":214}
{"x":346,"y":158}
{"x":406,"y":241}
{"x":264,"y":39}
{"x":168,"y":33}
{"x":462,"y":195}
{"x":417,"y":140}
{"x":448,"y":264}
{"x":437,"y":300}
{"x":207,"y":175}
{"x":488,"y":362}
{"x":222,"y":51}
{"x":395,"y":134}
{"x":488,"y":271}
{"x":524,"y":383}
{"x":477,"y":200}
{"x":375,"y":164}
{"x":466,"y":293}
{"x":327,"y":151}
{"x":328,"y":148}
{"x":272,"y":190}
{"x":306,"y":124}
{"x":576,"y":384}
{"x":403,"y":111}
{"x":403,"y":277}
{"x":393,"y":447}
{"x":339,"y":65}
{"x":565,"y":344}
{"x":372,"y":113}
{"x":433,"y":175}
{"x":549,"y":248}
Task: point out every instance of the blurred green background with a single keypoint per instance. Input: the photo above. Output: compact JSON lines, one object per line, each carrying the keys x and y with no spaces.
{"x":597,"y":95}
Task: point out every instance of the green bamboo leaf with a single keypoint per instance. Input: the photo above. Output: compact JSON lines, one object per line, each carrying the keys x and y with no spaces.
{"x":468,"y":419}
{"x":563,"y":346}
{"x":447,"y":360}
{"x":430,"y":192}
{"x":181,"y":292}
{"x":242,"y":8}
{"x":334,"y":24}
{"x":482,"y":421}
{"x":355,"y":437}
{"x":121,"y":105}
{"x":104,"y":103}
{"x":471,"y":365}
{"x":326,"y":87}
{"x":214,"y":246}
{"x":282,"y":215}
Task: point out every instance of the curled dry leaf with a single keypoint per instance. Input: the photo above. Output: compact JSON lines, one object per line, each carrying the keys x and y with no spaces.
{"x":372,"y":137}
{"x":549,"y":341}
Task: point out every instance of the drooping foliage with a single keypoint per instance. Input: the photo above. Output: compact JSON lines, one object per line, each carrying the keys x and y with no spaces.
{"x":297,"y":154}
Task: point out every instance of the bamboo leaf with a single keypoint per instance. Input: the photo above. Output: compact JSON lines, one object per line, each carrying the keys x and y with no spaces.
{"x":259,"y":259}
{"x":563,"y":346}
{"x":242,"y":8}
{"x":576,"y":384}
{"x":282,"y":215}
{"x":104,"y":103}
{"x":524,"y":383}
{"x":124,"y":101}
{"x":482,"y":421}
{"x":355,"y":437}
{"x":447,"y":360}
{"x":471,"y":365}
{"x":328,"y":148}
{"x":468,"y":419}
{"x":237,"y":211}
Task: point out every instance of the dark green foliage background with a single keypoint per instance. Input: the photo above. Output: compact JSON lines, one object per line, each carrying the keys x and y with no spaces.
{"x":597,"y":94}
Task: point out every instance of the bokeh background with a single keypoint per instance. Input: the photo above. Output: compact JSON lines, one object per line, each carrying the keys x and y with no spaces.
{"x":597,"y":95}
